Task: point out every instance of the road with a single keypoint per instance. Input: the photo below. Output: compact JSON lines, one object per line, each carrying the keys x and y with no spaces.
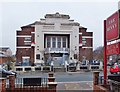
{"x":62,"y":76}
{"x":67,"y":80}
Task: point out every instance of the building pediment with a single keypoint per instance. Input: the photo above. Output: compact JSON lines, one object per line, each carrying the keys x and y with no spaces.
{"x":57,"y":15}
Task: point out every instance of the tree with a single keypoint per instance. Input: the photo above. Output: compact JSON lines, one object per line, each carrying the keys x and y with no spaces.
{"x":98,"y":53}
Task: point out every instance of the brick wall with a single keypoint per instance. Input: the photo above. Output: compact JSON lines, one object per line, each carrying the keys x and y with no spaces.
{"x":27,"y":50}
{"x":86,"y":49}
{"x":3,"y":60}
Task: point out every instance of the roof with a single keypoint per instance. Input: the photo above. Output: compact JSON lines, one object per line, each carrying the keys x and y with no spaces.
{"x":29,"y":25}
{"x":82,"y":27}
{"x":57,"y":15}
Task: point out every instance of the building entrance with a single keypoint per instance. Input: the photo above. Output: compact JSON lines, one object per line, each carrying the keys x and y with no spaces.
{"x":59,"y":59}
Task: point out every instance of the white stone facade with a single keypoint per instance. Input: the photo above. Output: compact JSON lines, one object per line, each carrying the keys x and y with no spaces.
{"x":57,"y":27}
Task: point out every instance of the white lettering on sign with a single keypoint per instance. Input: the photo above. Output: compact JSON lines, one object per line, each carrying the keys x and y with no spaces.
{"x":112,"y":24}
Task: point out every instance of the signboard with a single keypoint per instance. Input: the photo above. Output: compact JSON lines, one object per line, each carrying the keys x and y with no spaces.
{"x":112,"y":30}
{"x":113,"y":49}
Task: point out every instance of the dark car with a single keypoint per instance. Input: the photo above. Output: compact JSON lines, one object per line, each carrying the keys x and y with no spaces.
{"x":5,"y":73}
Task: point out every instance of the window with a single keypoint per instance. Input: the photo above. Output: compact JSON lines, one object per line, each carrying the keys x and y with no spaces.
{"x":53,"y":42}
{"x":83,"y":41}
{"x":37,"y":56}
{"x":25,"y":61}
{"x":27,"y":43}
{"x":48,"y":42}
{"x":64,"y":42}
{"x":59,"y":42}
{"x":27,"y":39}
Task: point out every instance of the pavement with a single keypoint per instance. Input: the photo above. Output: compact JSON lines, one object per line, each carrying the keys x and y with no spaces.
{"x":82,"y":85}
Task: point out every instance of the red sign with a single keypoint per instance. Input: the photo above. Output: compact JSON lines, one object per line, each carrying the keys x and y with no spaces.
{"x":113,"y":49}
{"x":112,"y":30}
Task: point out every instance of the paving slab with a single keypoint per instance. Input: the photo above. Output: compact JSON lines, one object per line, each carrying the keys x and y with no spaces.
{"x":82,"y":85}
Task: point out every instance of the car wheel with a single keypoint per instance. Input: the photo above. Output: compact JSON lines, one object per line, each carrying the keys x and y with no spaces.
{"x":111,"y":72}
{"x":116,"y":73}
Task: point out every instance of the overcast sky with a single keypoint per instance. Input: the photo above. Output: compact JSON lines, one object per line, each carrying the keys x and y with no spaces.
{"x":89,"y":13}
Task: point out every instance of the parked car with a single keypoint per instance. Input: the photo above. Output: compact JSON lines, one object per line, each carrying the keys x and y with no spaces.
{"x":115,"y":69}
{"x":94,"y":62}
{"x":110,"y":63}
{"x":5,"y":73}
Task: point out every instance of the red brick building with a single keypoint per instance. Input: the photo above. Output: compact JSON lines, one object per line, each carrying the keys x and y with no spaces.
{"x":86,"y":48}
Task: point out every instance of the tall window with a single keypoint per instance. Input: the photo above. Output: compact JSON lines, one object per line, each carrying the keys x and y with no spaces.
{"x":59,"y":42}
{"x":64,"y":42}
{"x":48,"y":42}
{"x":53,"y":42}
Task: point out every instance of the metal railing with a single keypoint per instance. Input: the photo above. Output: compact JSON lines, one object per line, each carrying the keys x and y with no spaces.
{"x":111,"y":85}
{"x":62,"y":50}
{"x":29,"y":82}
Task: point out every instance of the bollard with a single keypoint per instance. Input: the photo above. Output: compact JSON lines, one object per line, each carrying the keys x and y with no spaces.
{"x":51,"y":79}
{"x":52,"y":86}
{"x":95,"y":77}
{"x":12,"y":82}
{"x":50,"y":74}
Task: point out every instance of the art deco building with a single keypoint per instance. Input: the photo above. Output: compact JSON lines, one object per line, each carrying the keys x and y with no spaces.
{"x":56,"y":38}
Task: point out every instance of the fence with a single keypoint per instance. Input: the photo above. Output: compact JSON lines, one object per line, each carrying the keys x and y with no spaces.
{"x":29,"y":84}
{"x":111,"y":85}
{"x":56,"y":69}
{"x":34,"y":68}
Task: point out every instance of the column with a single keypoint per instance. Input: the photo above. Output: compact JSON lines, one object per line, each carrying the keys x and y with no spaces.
{"x":51,"y":82}
{"x":3,"y":85}
{"x":61,"y":42}
{"x":12,"y":82}
{"x":56,"y":42}
{"x":95,"y":77}
{"x":51,"y":41}
{"x":66,"y":42}
{"x":45,"y":42}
